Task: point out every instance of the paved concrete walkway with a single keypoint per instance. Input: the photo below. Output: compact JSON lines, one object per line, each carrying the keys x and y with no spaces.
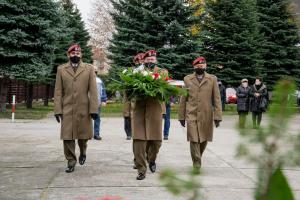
{"x":32,"y":165}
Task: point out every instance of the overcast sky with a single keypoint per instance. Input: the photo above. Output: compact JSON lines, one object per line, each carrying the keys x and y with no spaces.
{"x":85,"y":7}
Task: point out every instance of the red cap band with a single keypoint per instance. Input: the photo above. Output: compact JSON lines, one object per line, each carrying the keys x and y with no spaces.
{"x":149,"y":54}
{"x":138,"y":57}
{"x":199,"y":60}
{"x":74,"y":47}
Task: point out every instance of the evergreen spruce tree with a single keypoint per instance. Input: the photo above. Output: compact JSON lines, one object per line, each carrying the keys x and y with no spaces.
{"x":231,"y":40}
{"x":27,"y":40}
{"x":78,"y":32}
{"x":281,"y":54}
{"x":163,"y":25}
{"x":66,"y":34}
{"x":63,"y":42}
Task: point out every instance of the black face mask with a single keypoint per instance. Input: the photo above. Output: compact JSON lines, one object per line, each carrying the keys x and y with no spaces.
{"x":200,"y":71}
{"x":75,"y":59}
{"x":150,"y":65}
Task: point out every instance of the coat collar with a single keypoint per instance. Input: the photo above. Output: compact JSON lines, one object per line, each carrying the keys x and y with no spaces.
{"x":70,"y":70}
{"x":247,"y":88}
{"x":204,"y":80}
{"x":260,"y":89}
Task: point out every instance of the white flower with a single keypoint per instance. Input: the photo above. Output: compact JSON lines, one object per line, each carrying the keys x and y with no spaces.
{"x":135,"y":71}
{"x":124,"y":71}
{"x":145,"y":73}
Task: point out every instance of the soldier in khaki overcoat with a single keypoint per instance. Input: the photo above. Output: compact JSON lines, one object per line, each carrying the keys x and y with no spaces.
{"x":75,"y":103}
{"x":200,"y":109}
{"x":147,"y":126}
{"x":138,"y":62}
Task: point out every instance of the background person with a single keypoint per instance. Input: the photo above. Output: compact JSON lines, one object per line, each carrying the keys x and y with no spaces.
{"x":222,"y":93}
{"x":168,"y":105}
{"x":242,"y":94}
{"x":102,"y":98}
{"x":258,"y":101}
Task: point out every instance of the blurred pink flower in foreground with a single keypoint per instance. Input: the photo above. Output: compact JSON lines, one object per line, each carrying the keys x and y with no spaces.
{"x":82,"y":198}
{"x":111,"y":198}
{"x":103,"y":198}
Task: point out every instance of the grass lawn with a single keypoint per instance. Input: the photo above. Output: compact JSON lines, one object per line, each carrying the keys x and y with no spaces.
{"x":39,"y":111}
{"x":115,"y":110}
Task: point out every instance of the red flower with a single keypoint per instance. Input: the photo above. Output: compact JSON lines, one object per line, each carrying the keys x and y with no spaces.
{"x":168,"y":79}
{"x":155,"y":75}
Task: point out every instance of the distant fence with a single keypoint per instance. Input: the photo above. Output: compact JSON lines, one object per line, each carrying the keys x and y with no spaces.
{"x":19,"y":88}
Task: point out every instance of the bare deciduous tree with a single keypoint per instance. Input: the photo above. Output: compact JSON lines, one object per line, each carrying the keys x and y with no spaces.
{"x":101,"y":24}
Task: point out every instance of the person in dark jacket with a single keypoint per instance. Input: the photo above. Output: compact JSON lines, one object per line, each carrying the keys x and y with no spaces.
{"x":222,"y":93}
{"x":242,"y":94}
{"x":258,"y":101}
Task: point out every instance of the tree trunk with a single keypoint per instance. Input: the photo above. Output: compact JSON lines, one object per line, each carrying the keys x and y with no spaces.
{"x":46,"y":100}
{"x":29,"y":95}
{"x":3,"y":94}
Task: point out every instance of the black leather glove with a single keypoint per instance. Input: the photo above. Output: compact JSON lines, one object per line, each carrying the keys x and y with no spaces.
{"x":59,"y":117}
{"x":217,"y":123}
{"x":94,"y":116}
{"x":182,"y":122}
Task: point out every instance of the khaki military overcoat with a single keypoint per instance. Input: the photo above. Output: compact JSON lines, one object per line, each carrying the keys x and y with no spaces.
{"x":201,"y":107}
{"x":76,"y":97}
{"x":147,"y":119}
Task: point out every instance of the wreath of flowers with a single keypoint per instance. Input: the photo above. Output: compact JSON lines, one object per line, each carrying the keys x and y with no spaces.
{"x":138,"y":85}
